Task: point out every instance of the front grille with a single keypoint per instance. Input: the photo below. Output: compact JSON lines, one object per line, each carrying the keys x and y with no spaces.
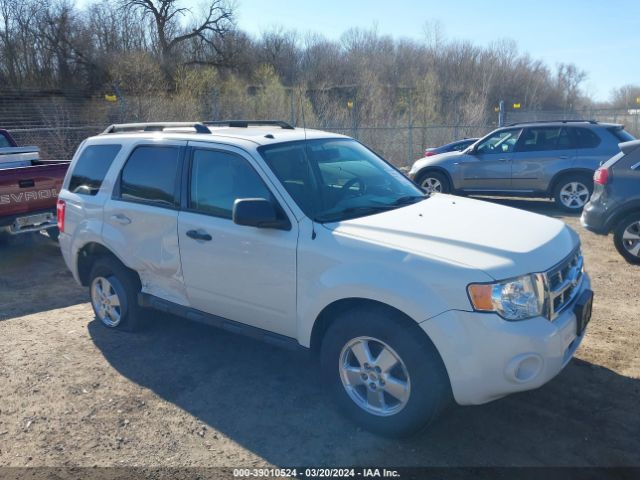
{"x":563,"y":283}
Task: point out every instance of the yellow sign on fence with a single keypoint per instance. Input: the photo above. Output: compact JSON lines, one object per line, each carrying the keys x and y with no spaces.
{"x":111,"y":98}
{"x":516,"y":106}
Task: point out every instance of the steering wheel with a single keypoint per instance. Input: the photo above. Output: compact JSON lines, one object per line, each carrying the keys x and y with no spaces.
{"x":344,"y":190}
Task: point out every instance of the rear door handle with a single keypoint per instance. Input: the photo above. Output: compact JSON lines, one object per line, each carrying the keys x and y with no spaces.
{"x":27,"y":183}
{"x":199,"y":235}
{"x":121,"y":218}
{"x":563,"y":157}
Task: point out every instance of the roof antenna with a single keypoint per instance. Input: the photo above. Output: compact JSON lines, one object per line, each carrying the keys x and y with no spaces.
{"x":304,"y":128}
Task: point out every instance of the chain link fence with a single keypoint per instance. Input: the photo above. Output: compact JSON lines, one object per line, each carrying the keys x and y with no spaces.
{"x":57,"y":122}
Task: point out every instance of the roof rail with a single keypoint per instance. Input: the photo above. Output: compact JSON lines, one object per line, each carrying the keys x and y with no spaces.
{"x":593,"y":122}
{"x":249,"y":123}
{"x":154,"y":127}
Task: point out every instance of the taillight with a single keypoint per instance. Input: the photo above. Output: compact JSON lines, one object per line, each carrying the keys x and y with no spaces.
{"x":601,"y":177}
{"x":60,"y":208}
{"x":429,"y":153}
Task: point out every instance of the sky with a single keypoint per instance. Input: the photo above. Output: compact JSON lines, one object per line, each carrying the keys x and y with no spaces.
{"x":601,"y":37}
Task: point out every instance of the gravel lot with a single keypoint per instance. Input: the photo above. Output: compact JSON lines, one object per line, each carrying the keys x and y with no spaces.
{"x":182,"y":394}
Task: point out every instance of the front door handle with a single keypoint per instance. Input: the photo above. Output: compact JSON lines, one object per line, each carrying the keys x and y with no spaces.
{"x":199,"y":235}
{"x":563,"y":157}
{"x":121,"y":218}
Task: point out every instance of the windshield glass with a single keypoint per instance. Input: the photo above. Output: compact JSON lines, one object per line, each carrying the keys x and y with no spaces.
{"x":336,"y":179}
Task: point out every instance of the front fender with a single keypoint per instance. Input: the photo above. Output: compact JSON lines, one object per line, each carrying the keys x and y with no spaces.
{"x":331,"y":269}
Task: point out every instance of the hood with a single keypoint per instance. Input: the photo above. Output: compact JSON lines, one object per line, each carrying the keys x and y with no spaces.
{"x":440,"y":159}
{"x":503,"y":242}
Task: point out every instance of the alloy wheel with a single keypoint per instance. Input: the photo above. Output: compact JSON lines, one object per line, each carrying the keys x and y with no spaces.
{"x":574,"y":195}
{"x":374,"y":376}
{"x":431,"y":185}
{"x":631,"y":238}
{"x":106,"y":302}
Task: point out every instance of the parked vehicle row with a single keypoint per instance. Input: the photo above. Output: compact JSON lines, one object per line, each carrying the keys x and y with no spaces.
{"x":540,"y":159}
{"x":309,"y":239}
{"x":28,"y":188}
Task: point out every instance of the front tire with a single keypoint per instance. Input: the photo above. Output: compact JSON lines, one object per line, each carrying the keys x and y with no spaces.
{"x":434,"y":182}
{"x":384,"y":372}
{"x":626,"y":238}
{"x":114,"y":290}
{"x":572,"y":192}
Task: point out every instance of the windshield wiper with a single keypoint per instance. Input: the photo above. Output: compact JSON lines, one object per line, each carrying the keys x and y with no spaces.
{"x":352,"y":212}
{"x":408,"y":199}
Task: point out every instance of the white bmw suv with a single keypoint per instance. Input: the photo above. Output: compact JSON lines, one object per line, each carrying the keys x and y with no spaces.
{"x":310,"y":239}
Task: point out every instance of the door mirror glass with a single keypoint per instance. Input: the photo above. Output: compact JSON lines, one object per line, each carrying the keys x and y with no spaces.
{"x":258,"y":212}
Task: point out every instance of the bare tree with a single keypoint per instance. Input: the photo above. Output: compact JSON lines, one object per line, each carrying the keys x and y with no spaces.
{"x":627,"y":96}
{"x":569,"y":78}
{"x":170,"y":30}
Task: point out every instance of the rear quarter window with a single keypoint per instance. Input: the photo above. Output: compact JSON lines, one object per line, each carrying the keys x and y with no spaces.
{"x":91,"y":168}
{"x":621,"y":134}
{"x":586,"y":138}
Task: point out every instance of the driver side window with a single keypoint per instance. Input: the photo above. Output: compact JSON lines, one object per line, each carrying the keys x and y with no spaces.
{"x":218,"y":179}
{"x":500,"y":142}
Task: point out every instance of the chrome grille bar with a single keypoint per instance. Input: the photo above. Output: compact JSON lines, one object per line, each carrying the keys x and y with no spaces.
{"x":563,"y":283}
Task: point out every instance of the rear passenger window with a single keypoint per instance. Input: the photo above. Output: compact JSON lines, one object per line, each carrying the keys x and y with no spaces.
{"x":539,"y":139}
{"x":151,"y":176}
{"x":91,"y":168}
{"x":585,"y":138}
{"x":218,"y":179}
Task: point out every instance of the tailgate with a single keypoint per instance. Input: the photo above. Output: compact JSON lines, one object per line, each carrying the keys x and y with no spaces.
{"x":30,"y":189}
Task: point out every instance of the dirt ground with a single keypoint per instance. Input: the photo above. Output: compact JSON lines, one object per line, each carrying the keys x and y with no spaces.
{"x":183,"y":394}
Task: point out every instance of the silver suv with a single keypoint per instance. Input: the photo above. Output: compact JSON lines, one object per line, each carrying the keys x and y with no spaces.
{"x":308,"y":239}
{"x":539,"y":159}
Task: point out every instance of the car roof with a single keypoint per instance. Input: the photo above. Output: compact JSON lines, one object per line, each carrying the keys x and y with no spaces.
{"x":559,"y":123}
{"x":258,"y":135}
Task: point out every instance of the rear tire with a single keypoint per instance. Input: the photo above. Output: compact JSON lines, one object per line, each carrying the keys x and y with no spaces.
{"x":626,"y":238}
{"x":392,"y":401}
{"x":434,"y":182}
{"x":114,"y":295}
{"x":572,"y":192}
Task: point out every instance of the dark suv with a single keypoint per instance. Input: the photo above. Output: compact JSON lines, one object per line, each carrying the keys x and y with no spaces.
{"x":615,"y":203}
{"x":541,"y":159}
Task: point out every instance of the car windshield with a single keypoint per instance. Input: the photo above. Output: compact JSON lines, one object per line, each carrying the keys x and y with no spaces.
{"x":337,"y":179}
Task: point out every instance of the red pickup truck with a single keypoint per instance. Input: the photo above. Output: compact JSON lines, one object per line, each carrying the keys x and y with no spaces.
{"x":28,"y":188}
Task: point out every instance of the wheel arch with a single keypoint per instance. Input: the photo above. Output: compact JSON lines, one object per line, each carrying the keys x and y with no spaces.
{"x":434,"y":168}
{"x":88,"y":254}
{"x":621,"y":213}
{"x":555,"y":180}
{"x":329,"y":314}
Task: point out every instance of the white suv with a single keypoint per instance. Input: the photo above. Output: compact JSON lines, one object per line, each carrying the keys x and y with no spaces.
{"x":310,"y":239}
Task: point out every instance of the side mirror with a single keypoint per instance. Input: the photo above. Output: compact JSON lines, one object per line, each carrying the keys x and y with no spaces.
{"x":258,"y":212}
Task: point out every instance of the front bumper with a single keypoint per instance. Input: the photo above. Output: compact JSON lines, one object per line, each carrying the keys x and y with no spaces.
{"x":488,"y":357}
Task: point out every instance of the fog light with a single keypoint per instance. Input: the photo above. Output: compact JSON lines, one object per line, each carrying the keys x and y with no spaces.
{"x":524,"y":368}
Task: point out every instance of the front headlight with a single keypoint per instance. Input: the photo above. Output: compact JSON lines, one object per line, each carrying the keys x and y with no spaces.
{"x":515,"y":299}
